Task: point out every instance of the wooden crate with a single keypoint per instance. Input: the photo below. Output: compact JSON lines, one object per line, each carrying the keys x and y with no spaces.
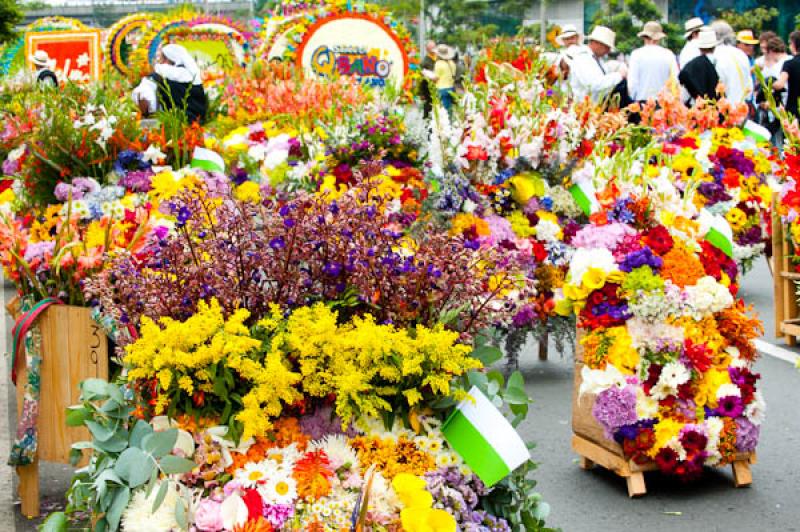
{"x":787,"y":317}
{"x":74,"y":348}
{"x":593,"y":448}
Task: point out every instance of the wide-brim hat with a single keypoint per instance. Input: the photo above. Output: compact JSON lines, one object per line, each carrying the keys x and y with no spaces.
{"x":603,"y":35}
{"x":707,"y":39}
{"x":569,"y":30}
{"x":652,"y":30}
{"x":445,"y":52}
{"x":746,"y":37}
{"x":40,"y":58}
{"x":692,"y":25}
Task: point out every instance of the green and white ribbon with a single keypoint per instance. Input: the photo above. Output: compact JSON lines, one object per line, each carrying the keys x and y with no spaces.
{"x":756,"y":132}
{"x":208,"y":160}
{"x":717,"y":232}
{"x":585,"y":197}
{"x":484,"y":438}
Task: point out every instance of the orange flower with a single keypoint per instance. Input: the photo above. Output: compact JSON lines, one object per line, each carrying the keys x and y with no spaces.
{"x":682,"y":267}
{"x":255,"y":525}
{"x":312,"y":473}
{"x":738,"y":328}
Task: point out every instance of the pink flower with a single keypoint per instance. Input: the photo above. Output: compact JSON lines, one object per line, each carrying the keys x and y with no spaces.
{"x":208,"y":516}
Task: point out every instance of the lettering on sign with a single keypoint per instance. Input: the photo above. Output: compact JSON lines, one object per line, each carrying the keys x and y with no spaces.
{"x":368,"y":67}
{"x":94,"y":356}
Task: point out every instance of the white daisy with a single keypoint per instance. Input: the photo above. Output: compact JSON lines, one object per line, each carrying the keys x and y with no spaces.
{"x":255,"y":474}
{"x":280,"y":489}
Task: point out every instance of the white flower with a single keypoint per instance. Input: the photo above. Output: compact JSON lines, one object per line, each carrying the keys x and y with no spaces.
{"x":153,"y":154}
{"x":139,"y":517}
{"x":285,"y":457}
{"x":547,"y":230}
{"x":281,"y":489}
{"x":339,"y":452}
{"x":82,"y":60}
{"x":234,"y":512}
{"x":16,"y":153}
{"x":676,"y":446}
{"x":728,"y":390}
{"x":598,"y":380}
{"x":672,"y":375}
{"x":254,"y":474}
{"x":646,"y":407}
{"x":756,"y":409}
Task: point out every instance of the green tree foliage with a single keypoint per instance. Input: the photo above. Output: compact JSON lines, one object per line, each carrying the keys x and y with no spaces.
{"x":626,"y":18}
{"x":754,"y":19}
{"x":461,"y":22}
{"x":10,"y":16}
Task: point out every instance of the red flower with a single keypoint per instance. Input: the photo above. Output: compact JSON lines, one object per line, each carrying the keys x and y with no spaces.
{"x":539,"y":251}
{"x":667,"y":460}
{"x":477,"y":153}
{"x":694,"y":441}
{"x":698,"y":355}
{"x":255,"y":506}
{"x":5,"y":184}
{"x":659,"y":240}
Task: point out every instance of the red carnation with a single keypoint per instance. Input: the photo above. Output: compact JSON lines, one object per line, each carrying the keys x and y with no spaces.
{"x":255,"y":506}
{"x":698,"y":355}
{"x":659,"y":240}
{"x":667,"y":460}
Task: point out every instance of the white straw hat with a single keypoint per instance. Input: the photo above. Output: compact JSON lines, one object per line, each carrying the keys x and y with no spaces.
{"x":603,"y":35}
{"x":652,"y":30}
{"x":445,"y":52}
{"x":40,"y":58}
{"x":707,"y":39}
{"x":692,"y":25}
{"x":569,"y":30}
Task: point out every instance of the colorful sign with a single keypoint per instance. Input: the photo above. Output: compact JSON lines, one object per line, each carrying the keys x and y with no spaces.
{"x":74,"y":55}
{"x":355,"y":45}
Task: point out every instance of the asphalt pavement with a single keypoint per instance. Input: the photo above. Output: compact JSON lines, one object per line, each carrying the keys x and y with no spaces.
{"x":596,"y":500}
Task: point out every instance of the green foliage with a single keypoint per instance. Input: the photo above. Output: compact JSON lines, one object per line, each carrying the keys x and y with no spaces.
{"x":515,"y":500}
{"x":460,"y":22}
{"x":10,"y":17}
{"x":753,"y":19}
{"x":126,"y":454}
{"x":627,"y":17}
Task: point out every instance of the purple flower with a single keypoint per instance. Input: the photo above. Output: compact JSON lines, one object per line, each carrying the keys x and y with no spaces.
{"x":277,"y":243}
{"x":332,"y":268}
{"x":730,"y":406}
{"x":642,"y":257}
{"x":614,"y":408}
{"x":137,"y":180}
{"x":747,"y":435}
{"x":278,"y":514}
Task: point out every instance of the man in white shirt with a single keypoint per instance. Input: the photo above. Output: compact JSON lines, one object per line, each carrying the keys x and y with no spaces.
{"x":690,"y":50}
{"x":733,"y":65}
{"x":588,"y":76}
{"x":652,"y":67}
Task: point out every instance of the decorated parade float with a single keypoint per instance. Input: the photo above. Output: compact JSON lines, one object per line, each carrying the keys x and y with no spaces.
{"x":298,"y":312}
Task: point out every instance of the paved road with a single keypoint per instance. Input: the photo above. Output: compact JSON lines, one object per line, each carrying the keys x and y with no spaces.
{"x":597,"y":501}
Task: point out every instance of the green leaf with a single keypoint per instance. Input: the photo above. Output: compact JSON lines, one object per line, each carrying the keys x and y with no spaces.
{"x":515,"y":396}
{"x":161,"y":443}
{"x":226,"y":412}
{"x":99,"y":432}
{"x":516,"y":380}
{"x":115,"y":394}
{"x":175,"y":465}
{"x":101,"y":525}
{"x":180,"y":514}
{"x":117,"y":444}
{"x":121,"y":500}
{"x":75,"y":456}
{"x":162,"y":492}
{"x":141,"y":429}
{"x":77,"y":416}
{"x":94,"y":388}
{"x":55,"y":522}
{"x":492,"y":388}
{"x":487,"y":354}
{"x":476,"y":378}
{"x":134,"y":466}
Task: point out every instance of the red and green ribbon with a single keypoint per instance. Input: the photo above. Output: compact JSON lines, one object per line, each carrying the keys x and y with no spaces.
{"x":21,"y":328}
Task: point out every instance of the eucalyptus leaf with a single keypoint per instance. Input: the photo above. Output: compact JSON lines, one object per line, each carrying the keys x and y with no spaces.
{"x":99,"y":432}
{"x":141,"y":429}
{"x":55,"y":522}
{"x":121,"y":500}
{"x":116,"y":444}
{"x":134,"y":466}
{"x":487,"y":354}
{"x":516,"y":381}
{"x":93,"y":388}
{"x":162,"y":492}
{"x":180,"y":515}
{"x":76,"y":416}
{"x":175,"y":465}
{"x":161,"y":443}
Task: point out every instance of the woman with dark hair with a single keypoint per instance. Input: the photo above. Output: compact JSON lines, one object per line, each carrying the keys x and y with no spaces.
{"x":176,"y":83}
{"x":790,"y":76}
{"x":772,"y":61}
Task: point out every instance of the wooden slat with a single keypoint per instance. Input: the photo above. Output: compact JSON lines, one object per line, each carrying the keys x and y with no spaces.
{"x":790,"y":329}
{"x":777,"y":261}
{"x":794,"y":276}
{"x":600,"y":456}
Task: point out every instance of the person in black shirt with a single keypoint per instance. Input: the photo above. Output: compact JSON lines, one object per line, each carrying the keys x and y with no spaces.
{"x":44,"y":76}
{"x":790,"y":76}
{"x":699,"y":76}
{"x":175,"y":84}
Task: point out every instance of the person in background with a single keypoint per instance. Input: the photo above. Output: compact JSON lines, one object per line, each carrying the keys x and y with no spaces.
{"x":762,"y":45}
{"x":692,"y":28}
{"x":426,"y":84}
{"x":772,"y":65}
{"x":651,"y":67}
{"x":746,"y":42}
{"x":569,"y":36}
{"x":733,"y":65}
{"x":790,"y":76}
{"x":587,"y":75}
{"x":699,"y":76}
{"x":175,"y":83}
{"x":445,"y":71}
{"x":44,"y":76}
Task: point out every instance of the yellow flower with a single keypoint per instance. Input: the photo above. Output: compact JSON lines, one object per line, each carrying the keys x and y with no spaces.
{"x":594,"y":279}
{"x":164,"y":186}
{"x":249,"y":192}
{"x":7,"y":196}
{"x":665,"y":430}
{"x":524,"y":187}
{"x":737,"y":218}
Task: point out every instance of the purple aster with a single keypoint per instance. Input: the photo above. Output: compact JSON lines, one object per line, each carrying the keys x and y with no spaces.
{"x":730,"y":406}
{"x":639,"y":258}
{"x":747,"y":435}
{"x":278,"y":514}
{"x":614,"y":408}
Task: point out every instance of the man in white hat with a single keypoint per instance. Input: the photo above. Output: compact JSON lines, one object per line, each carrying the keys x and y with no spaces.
{"x":652,"y":67}
{"x":733,"y":65}
{"x":588,"y":76}
{"x":44,"y":76}
{"x":699,"y":76}
{"x":569,"y":36}
{"x":692,"y":29}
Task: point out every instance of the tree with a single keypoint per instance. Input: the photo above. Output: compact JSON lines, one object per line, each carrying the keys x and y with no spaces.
{"x":461,"y":22}
{"x":754,"y":19}
{"x":10,"y":16}
{"x":627,"y":17}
